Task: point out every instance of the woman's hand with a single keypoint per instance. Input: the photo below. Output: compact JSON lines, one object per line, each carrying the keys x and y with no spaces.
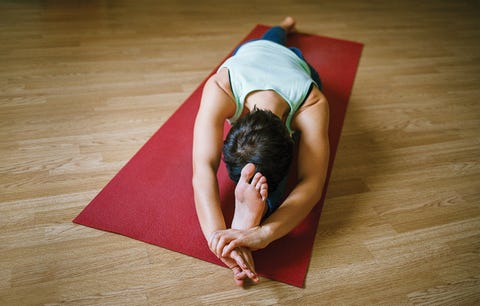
{"x":223,"y":242}
{"x":241,"y":273}
{"x":240,"y":261}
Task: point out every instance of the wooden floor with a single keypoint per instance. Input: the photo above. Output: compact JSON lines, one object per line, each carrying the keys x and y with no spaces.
{"x":83,"y":84}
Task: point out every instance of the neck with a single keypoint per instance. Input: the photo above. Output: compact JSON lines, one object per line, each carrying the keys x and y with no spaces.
{"x":277,"y":105}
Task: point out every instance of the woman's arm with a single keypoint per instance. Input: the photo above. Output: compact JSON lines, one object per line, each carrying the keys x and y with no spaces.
{"x":215,"y":107}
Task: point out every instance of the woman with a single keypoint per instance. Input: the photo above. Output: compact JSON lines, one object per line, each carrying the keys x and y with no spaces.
{"x":269,"y":93}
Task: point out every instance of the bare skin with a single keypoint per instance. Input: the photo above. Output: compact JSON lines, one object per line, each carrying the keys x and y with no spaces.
{"x":288,"y":24}
{"x":233,"y":246}
{"x":250,"y":205}
{"x":250,"y":199}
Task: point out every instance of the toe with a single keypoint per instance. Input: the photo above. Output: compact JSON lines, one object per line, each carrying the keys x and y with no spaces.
{"x":264,"y":191}
{"x":262,"y":180}
{"x":247,"y":172}
{"x":256,"y":179}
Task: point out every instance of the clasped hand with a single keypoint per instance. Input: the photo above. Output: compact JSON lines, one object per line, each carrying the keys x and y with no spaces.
{"x":234,"y":248}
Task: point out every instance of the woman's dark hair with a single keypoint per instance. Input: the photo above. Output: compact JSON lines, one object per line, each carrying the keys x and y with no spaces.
{"x":260,"y":138}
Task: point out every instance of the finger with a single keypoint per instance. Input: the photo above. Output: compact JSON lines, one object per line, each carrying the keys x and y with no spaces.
{"x":227,"y":250}
{"x":250,"y":261}
{"x":238,"y":282}
{"x":238,"y":276}
{"x":229,"y":262}
{"x":247,"y":255}
{"x":222,"y":241}
{"x":241,"y":262}
{"x":249,"y":268}
{"x":247,"y":173}
{"x":237,"y":272}
{"x":244,"y":254}
{"x":212,"y":242}
{"x":253,"y":274}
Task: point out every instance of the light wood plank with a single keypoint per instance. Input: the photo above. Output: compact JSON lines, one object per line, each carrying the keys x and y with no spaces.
{"x":83,"y":85}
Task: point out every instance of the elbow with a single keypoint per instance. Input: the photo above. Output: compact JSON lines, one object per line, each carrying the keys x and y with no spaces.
{"x":195,"y":181}
{"x":196,"y":176}
{"x":201,"y":176}
{"x":319,"y":191}
{"x":319,"y":186}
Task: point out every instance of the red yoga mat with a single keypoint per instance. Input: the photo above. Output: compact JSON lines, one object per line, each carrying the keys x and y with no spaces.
{"x":151,"y":198}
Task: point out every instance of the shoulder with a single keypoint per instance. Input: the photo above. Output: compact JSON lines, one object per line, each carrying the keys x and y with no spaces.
{"x":313,"y":114}
{"x":222,"y":80}
{"x":219,"y":83}
{"x":217,"y":98}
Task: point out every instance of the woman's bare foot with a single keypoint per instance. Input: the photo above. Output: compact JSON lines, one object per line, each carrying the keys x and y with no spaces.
{"x":250,"y":198}
{"x":288,"y":24}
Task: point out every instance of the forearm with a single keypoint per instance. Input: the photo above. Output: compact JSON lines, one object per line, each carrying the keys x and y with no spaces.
{"x":207,"y":203}
{"x":294,"y":209}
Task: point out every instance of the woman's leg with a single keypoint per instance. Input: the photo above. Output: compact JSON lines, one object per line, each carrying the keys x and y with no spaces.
{"x":276,"y":34}
{"x":279,"y":33}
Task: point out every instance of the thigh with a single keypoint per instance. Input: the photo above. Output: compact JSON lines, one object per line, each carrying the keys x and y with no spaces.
{"x":276,"y":34}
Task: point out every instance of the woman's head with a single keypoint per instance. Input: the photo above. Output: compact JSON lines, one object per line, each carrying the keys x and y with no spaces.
{"x":260,"y":138}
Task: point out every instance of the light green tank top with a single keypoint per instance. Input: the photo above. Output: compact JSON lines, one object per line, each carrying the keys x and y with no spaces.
{"x":265,"y":65}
